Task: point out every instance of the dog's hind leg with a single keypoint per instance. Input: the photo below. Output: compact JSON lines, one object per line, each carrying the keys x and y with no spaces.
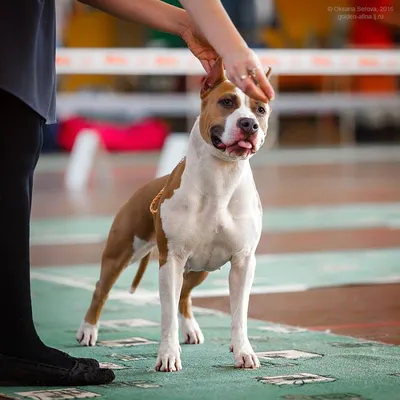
{"x":190,"y":329}
{"x":114,"y":260}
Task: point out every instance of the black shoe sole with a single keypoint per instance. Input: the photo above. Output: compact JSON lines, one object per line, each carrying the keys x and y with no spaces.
{"x":17,"y":372}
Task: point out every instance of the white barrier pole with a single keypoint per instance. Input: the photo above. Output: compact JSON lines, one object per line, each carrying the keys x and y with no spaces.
{"x":82,"y":159}
{"x":173,"y":151}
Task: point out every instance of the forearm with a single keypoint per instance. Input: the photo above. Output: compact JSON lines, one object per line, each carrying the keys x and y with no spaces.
{"x":215,"y":24}
{"x":153,"y":13}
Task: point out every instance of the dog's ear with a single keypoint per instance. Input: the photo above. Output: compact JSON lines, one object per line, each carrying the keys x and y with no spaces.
{"x":213,"y":78}
{"x":267,"y":75}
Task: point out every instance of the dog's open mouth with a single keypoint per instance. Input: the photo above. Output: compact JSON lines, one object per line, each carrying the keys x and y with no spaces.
{"x":217,"y":143}
{"x":239,"y":146}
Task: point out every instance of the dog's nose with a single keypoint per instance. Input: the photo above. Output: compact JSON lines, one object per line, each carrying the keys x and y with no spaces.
{"x":248,"y":125}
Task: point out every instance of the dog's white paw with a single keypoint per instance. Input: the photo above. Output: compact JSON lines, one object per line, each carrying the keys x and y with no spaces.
{"x":87,"y":334}
{"x":169,"y":358}
{"x":191,"y":331}
{"x":244,"y":356}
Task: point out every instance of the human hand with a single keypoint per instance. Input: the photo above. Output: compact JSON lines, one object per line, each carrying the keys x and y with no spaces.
{"x":245,"y":71}
{"x":208,"y":19}
{"x":243,"y":68}
{"x":200,"y":47}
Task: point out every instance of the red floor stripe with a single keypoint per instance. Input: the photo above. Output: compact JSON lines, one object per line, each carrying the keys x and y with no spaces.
{"x":354,"y":326}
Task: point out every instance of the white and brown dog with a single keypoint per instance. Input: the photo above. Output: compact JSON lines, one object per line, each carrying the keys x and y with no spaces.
{"x":206,"y":213}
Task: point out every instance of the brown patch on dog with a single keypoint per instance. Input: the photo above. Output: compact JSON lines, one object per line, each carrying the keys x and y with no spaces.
{"x":132,"y":220}
{"x":213,"y":112}
{"x":191,"y":279}
{"x":254,"y":104}
{"x":214,"y":89}
{"x":173,"y":183}
{"x":212,"y":79}
{"x":268,"y":74}
{"x":261,"y":118}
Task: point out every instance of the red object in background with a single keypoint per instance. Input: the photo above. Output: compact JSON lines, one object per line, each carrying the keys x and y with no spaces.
{"x":367,"y":30}
{"x":371,"y":30}
{"x":146,"y":135}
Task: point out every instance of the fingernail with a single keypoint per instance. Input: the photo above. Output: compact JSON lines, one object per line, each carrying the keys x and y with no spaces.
{"x":272,"y":96}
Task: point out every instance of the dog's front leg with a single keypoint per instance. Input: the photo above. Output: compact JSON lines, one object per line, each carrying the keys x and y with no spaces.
{"x":240,"y":281}
{"x":170,"y":284}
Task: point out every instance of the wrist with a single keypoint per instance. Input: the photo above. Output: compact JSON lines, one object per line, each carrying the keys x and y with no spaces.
{"x":234,"y":50}
{"x":182,"y":24}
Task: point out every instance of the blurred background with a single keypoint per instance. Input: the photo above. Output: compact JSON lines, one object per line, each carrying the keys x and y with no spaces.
{"x":305,"y":113}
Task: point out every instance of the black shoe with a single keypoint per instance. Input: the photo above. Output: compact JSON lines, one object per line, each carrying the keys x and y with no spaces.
{"x":18,"y":372}
{"x":91,"y":362}
{"x":58,"y":353}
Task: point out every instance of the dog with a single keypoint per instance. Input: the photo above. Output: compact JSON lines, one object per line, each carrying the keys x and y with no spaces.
{"x":204,"y":214}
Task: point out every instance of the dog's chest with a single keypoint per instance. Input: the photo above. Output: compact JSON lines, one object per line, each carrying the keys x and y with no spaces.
{"x":217,"y":237}
{"x":207,"y":235}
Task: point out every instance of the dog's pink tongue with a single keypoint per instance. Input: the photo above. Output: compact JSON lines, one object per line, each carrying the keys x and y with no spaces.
{"x":245,"y":145}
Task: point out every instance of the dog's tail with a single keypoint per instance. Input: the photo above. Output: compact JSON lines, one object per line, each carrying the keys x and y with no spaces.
{"x":140,"y":272}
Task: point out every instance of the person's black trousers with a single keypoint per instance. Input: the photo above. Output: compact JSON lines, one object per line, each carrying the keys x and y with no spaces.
{"x":21,"y":135}
{"x":24,"y":358}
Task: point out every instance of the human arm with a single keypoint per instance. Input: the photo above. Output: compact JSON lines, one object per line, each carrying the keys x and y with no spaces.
{"x":153,"y":13}
{"x":196,"y":26}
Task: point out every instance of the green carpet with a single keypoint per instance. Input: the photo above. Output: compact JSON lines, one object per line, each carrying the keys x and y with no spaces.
{"x":274,"y":273}
{"x":296,"y":364}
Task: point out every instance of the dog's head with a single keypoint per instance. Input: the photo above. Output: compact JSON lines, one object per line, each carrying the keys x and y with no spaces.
{"x":231,"y":123}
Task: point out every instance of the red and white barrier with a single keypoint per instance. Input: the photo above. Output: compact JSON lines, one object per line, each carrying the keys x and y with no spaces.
{"x":163,"y":61}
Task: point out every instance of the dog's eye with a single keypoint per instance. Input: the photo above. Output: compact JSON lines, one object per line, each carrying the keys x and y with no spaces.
{"x":226,"y":102}
{"x":261,"y":110}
